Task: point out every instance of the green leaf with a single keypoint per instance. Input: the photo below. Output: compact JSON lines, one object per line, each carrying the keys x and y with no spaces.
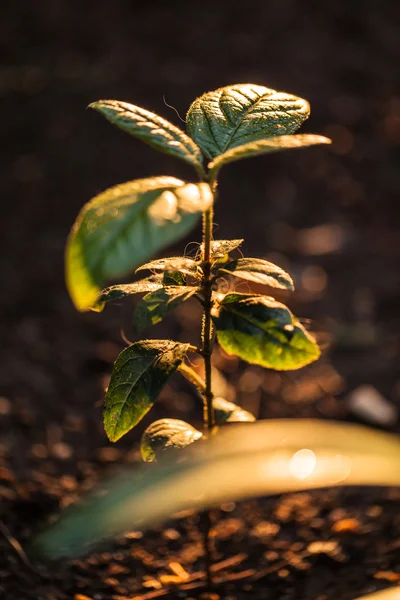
{"x":235,"y":115}
{"x":259,"y":271}
{"x":227,"y":412}
{"x":152,"y":129}
{"x":124,"y":226}
{"x":185,"y":265}
{"x":173,"y":278}
{"x":139,"y":374}
{"x":165,"y":435}
{"x":271,"y":457}
{"x":220,"y":248}
{"x":263,"y":331}
{"x":154,"y":306}
{"x":266,"y":146}
{"x":116,"y":292}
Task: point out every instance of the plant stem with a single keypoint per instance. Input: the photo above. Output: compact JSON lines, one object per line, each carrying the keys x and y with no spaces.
{"x":207,"y":334}
{"x":192,"y":376}
{"x":207,"y":348}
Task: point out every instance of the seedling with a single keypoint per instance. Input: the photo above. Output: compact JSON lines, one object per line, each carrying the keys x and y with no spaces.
{"x":124,"y":227}
{"x":121,"y":229}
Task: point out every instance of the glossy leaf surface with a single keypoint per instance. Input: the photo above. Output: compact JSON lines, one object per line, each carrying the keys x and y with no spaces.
{"x":228,"y":412}
{"x":238,"y":114}
{"x":266,"y":146}
{"x":167,"y":434}
{"x":116,"y":292}
{"x":184,"y":264}
{"x":154,"y":306}
{"x":124,"y":226}
{"x":262,"y":331}
{"x":259,"y":271}
{"x":219,"y":248}
{"x":266,"y":457}
{"x":152,"y":129}
{"x":139,"y":374}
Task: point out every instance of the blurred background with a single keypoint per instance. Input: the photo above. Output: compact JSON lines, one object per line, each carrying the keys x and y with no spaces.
{"x":330,"y":216}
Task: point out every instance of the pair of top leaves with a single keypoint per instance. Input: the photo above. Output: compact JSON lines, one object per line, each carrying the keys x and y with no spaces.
{"x":127,"y":224}
{"x":225,"y":125}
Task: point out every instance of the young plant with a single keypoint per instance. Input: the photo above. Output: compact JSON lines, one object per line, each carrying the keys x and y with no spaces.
{"x":123,"y":227}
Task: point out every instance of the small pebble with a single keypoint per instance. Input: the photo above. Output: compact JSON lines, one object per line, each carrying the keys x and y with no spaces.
{"x":346,"y":525}
{"x":178,"y":570}
{"x":283,"y":573}
{"x":228,"y":506}
{"x":369,"y":404}
{"x":265,"y":529}
{"x":39,"y":451}
{"x":171,"y":534}
{"x":61,"y":450}
{"x":133,"y":535}
{"x":5,"y":406}
{"x":170,"y":579}
{"x":322,"y":547}
{"x":374,"y":511}
{"x":111,"y":581}
{"x":6,"y":475}
{"x":68,"y":482}
{"x":152,"y":583}
{"x":108,"y":454}
{"x":116,"y":569}
{"x":228,"y":527}
{"x":387,"y":576}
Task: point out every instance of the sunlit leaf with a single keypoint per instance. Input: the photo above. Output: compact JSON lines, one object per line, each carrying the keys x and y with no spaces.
{"x":164,"y":435}
{"x":124,"y":226}
{"x":184,"y":264}
{"x":154,"y":306}
{"x":173,"y":278}
{"x":152,"y":129}
{"x":228,"y":412}
{"x":241,"y":461}
{"x":138,"y":376}
{"x":238,"y":114}
{"x":116,"y":292}
{"x":259,"y":271}
{"x":263,"y":331}
{"x":266,"y":146}
{"x":220,"y":248}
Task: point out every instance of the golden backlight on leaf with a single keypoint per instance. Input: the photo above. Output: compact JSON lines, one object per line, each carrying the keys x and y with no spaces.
{"x":302,"y":463}
{"x":171,"y":206}
{"x":307,"y":467}
{"x":392,"y":593}
{"x":241,"y":461}
{"x":195,"y":198}
{"x":165,"y":208}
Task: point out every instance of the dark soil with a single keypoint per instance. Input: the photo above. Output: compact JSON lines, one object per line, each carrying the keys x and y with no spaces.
{"x":330,"y":216}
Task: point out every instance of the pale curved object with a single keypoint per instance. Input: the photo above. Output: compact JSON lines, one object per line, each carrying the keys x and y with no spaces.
{"x":241,"y":461}
{"x":392,"y":593}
